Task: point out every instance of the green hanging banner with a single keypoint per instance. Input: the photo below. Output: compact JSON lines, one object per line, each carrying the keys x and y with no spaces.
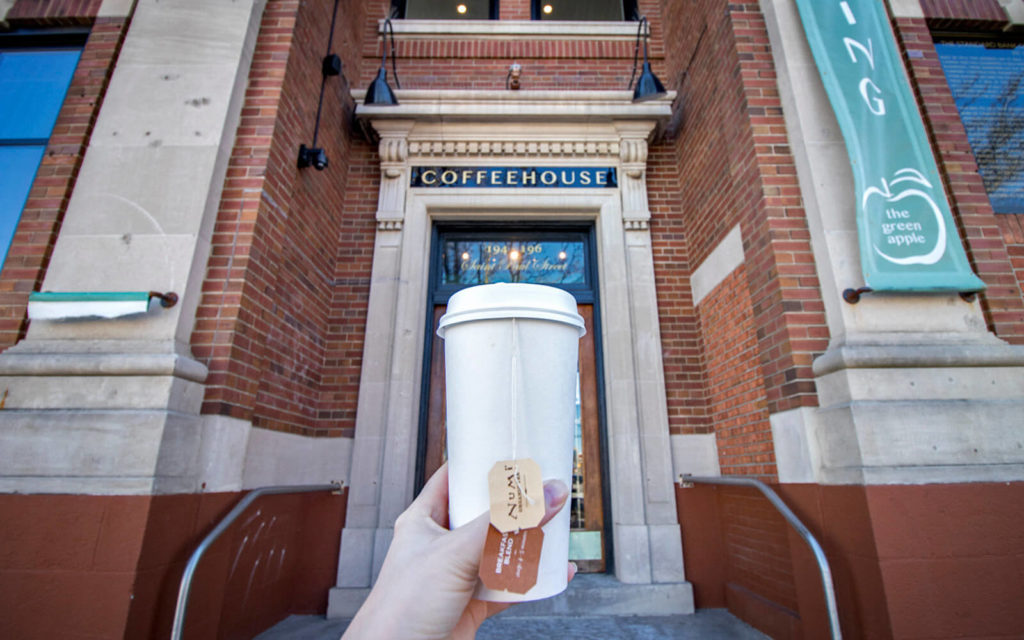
{"x":908,"y":240}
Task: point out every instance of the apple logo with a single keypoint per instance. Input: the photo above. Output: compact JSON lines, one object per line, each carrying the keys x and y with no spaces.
{"x":897,"y":219}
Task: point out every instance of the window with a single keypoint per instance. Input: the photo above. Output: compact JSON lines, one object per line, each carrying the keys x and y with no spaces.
{"x":608,"y":10}
{"x":33,"y":81}
{"x":987,"y":82}
{"x":446,"y":9}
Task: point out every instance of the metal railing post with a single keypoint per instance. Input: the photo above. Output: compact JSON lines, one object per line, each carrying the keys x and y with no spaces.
{"x":186,"y":578}
{"x":808,"y":537}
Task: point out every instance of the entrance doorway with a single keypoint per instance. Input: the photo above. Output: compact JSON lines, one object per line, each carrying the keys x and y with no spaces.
{"x":465,"y":256}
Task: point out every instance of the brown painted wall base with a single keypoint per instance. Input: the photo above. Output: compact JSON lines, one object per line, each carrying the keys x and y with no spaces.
{"x":109,"y":566}
{"x":932,"y":561}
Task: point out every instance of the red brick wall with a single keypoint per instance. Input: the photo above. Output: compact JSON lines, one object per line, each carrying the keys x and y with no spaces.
{"x":966,"y":15}
{"x":53,"y":13}
{"x":789,"y":314}
{"x":734,"y":380}
{"x":109,"y":566}
{"x":37,"y":231}
{"x":514,"y":10}
{"x":736,"y":168}
{"x":992,"y":241}
{"x":1013,"y":235}
{"x":681,"y":340}
{"x":347,"y":320}
{"x":267,"y":323}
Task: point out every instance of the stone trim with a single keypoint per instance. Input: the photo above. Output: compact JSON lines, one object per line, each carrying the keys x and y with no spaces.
{"x":505,"y":29}
{"x":906,"y":8}
{"x":722,"y":260}
{"x":115,"y":9}
{"x":276,"y":458}
{"x":796,"y":451}
{"x":695,"y":454}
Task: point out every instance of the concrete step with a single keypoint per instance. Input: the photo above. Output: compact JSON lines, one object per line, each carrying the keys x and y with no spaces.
{"x":594,"y":606}
{"x":600,"y":594}
{"x":705,"y":624}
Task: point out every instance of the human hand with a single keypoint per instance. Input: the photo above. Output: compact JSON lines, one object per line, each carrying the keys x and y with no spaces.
{"x":425,"y":587}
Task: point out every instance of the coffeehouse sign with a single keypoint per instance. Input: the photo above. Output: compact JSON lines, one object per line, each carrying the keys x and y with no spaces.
{"x":516,"y":177}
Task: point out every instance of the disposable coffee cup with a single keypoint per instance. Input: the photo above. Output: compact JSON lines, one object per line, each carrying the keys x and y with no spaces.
{"x":510,"y":353}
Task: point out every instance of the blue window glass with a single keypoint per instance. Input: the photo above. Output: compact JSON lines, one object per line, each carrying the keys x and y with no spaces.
{"x":33,"y":83}
{"x":987,"y":82}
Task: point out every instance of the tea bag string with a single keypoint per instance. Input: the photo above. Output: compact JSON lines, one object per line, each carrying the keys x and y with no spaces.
{"x":515,"y":412}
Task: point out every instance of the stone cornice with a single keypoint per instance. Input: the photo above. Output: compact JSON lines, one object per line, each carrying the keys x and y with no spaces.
{"x":505,"y":29}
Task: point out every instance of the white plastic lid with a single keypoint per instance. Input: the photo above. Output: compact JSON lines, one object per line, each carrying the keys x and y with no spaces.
{"x":511,"y":300}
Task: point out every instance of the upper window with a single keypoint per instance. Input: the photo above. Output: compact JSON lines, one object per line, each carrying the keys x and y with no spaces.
{"x":446,"y":9}
{"x":611,"y":10}
{"x":33,"y":81}
{"x":987,"y":82}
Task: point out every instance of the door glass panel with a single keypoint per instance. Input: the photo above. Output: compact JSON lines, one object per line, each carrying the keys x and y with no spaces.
{"x":470,"y":261}
{"x":576,"y":495}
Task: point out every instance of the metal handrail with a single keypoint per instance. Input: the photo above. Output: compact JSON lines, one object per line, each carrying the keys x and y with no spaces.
{"x":186,"y":578}
{"x":787,"y":513}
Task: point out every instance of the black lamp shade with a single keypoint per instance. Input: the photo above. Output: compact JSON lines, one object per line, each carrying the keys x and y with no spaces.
{"x":648,"y":87}
{"x":379,"y":92}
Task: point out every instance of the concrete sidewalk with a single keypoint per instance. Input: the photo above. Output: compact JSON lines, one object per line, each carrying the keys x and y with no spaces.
{"x":706,"y":624}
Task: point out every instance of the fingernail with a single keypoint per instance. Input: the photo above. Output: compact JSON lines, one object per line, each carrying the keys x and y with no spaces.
{"x":555,"y":492}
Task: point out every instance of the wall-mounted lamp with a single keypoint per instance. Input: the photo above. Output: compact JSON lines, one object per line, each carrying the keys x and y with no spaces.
{"x":648,"y":87}
{"x":314,"y":156}
{"x":379,"y":92}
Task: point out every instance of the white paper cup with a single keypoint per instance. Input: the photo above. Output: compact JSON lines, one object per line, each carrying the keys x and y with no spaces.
{"x":511,"y":355}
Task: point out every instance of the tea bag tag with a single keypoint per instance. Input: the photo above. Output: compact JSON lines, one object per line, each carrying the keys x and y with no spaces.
{"x":517,"y":495}
{"x":510,"y":561}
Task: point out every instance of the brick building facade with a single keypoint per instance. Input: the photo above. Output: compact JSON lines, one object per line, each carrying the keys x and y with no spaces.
{"x":300,"y":350}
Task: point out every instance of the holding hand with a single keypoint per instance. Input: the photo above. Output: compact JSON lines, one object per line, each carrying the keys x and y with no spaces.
{"x":426,"y":584}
